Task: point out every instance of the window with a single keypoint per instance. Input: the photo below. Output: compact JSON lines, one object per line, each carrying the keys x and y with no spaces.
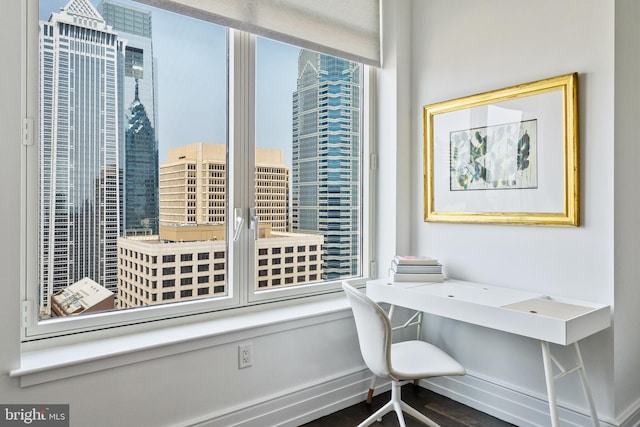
{"x":159,"y":200}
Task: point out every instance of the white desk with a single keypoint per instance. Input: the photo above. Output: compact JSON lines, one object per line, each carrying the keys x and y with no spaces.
{"x":530,"y":314}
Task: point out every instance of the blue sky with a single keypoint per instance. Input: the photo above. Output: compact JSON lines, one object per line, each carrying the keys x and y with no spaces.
{"x":191,"y":59}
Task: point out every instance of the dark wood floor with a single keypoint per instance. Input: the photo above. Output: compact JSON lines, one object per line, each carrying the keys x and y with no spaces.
{"x":442,"y":410}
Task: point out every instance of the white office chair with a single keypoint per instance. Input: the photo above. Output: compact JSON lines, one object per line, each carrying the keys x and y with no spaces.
{"x":408,"y":360}
{"x":415,"y":320}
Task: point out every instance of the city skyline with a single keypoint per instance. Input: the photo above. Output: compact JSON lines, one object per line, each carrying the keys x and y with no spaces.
{"x":182,"y":87}
{"x":103,"y":130}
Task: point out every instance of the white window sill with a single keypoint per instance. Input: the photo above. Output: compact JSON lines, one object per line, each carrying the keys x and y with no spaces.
{"x":65,"y":361}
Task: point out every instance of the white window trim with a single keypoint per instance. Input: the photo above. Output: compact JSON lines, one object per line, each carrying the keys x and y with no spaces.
{"x":42,"y":362}
{"x":54,"y":334}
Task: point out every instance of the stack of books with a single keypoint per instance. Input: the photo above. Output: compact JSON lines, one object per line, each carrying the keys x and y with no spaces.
{"x":410,"y":268}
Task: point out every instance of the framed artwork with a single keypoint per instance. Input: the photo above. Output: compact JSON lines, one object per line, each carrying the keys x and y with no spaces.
{"x":508,"y":156}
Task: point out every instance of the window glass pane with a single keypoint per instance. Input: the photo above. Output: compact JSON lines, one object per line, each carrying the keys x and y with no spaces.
{"x":307,"y":165}
{"x":132,"y":158}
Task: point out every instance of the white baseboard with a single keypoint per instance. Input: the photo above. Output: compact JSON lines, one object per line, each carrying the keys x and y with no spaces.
{"x":298,"y":406}
{"x":519,"y":407}
{"x":307,"y":403}
{"x":631,"y":416}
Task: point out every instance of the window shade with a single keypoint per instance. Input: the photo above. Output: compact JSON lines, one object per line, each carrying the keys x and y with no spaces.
{"x":348,"y":29}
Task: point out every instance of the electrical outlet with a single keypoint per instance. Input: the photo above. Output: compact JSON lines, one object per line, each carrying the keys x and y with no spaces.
{"x":244,"y":356}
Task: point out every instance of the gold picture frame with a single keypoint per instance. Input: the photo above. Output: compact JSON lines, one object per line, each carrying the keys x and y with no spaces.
{"x":509,"y":156}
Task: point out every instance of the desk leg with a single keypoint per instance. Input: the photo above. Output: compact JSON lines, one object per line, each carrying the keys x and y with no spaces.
{"x":551,"y":388}
{"x":585,"y":386}
{"x":551,"y":378}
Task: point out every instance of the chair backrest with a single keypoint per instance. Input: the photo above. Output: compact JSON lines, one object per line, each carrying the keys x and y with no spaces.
{"x":374,"y":331}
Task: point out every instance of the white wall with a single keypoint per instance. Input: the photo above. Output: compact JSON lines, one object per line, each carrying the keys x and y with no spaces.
{"x":464,"y":47}
{"x":10,"y":193}
{"x":393,"y":125}
{"x":627,"y":204}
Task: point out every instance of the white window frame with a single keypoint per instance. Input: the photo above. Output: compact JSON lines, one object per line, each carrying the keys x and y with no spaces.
{"x":240,"y":254}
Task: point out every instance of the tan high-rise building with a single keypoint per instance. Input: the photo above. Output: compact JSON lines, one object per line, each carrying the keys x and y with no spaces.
{"x":193,"y":186}
{"x":184,"y":262}
{"x":189,"y":262}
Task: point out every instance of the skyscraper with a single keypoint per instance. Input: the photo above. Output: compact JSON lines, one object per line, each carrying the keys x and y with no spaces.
{"x":140,"y":185}
{"x":193,"y":188}
{"x":325,"y":158}
{"x":79,"y":205}
{"x":138,"y":114}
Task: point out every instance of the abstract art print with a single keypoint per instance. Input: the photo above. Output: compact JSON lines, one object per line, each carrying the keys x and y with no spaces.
{"x":494,"y":157}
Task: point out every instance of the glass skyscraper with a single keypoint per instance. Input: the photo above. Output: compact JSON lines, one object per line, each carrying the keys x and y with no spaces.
{"x":79,"y":137}
{"x":138,"y":112}
{"x":140,"y":172}
{"x":325,"y":158}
